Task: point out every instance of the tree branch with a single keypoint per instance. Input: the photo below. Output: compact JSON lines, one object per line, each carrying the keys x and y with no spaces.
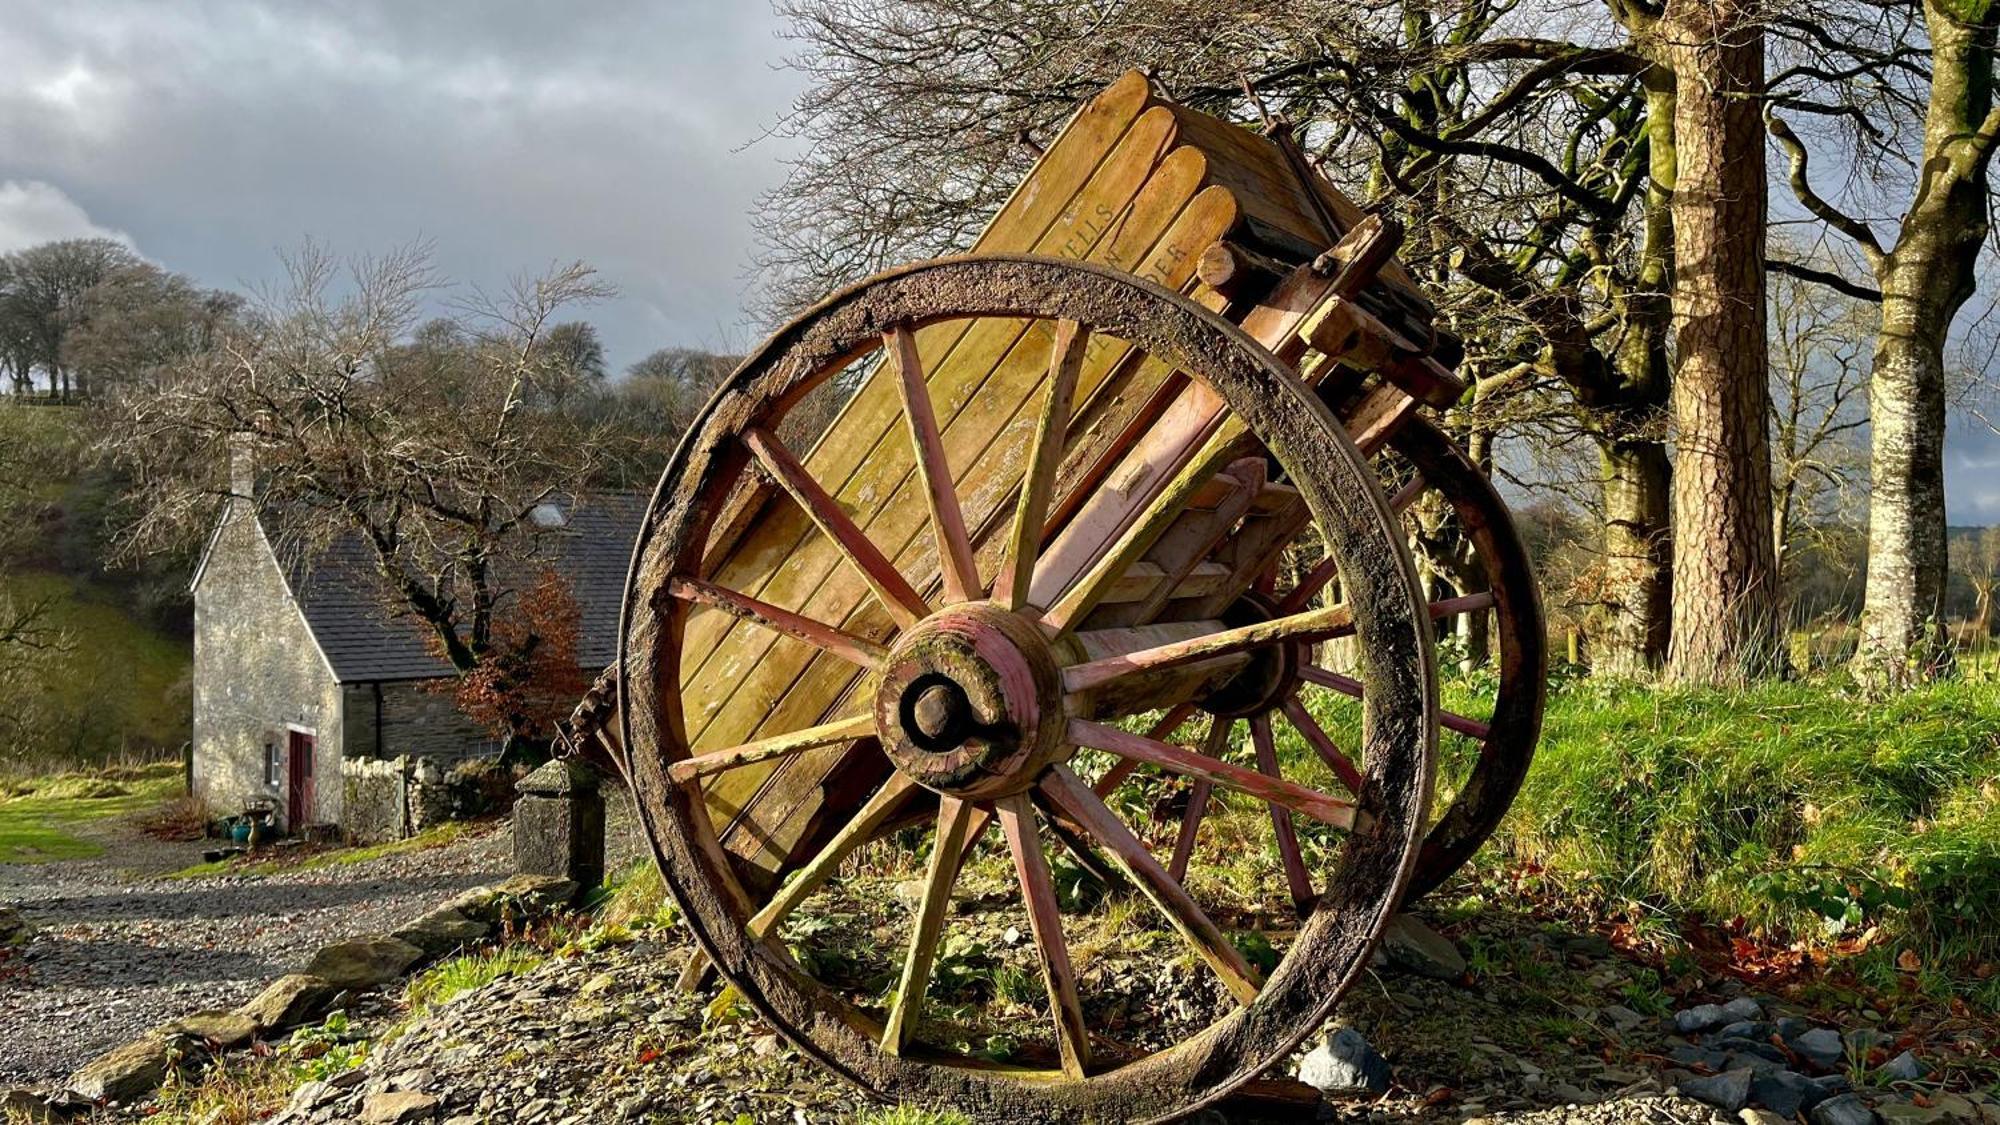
{"x":1827,"y":278}
{"x":1824,"y":211}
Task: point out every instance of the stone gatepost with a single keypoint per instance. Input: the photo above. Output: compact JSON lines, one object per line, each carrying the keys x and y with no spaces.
{"x":559,"y":824}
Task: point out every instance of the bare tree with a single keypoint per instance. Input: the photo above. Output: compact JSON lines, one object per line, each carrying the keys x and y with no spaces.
{"x":427,"y":448}
{"x":1819,"y":385}
{"x":44,"y":287}
{"x":1926,"y":270}
{"x":1977,"y":557}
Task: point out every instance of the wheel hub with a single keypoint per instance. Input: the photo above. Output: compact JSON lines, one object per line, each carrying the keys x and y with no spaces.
{"x":971,"y":703}
{"x":1270,"y":677}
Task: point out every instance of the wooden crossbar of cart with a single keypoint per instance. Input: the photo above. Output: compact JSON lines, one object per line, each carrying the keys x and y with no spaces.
{"x":1118,"y":499}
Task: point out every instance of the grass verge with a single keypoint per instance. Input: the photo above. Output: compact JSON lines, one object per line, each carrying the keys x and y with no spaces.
{"x":39,"y":817}
{"x":252,"y":867}
{"x":1800,"y":808}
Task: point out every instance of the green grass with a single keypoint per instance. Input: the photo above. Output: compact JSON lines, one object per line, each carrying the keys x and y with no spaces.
{"x":38,"y":822}
{"x":1798,"y":807}
{"x":338,"y":857}
{"x":909,"y":1115}
{"x":121,"y":686}
{"x":448,"y":980}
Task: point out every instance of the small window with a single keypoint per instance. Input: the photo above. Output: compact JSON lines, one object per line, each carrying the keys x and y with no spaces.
{"x":271,"y":765}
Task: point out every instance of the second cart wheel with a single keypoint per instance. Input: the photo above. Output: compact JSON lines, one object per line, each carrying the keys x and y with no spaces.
{"x":969,"y":670}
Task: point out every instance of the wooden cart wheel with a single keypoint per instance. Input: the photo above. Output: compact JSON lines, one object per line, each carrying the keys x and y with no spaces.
{"x":1492,"y":741}
{"x":981,"y":700}
{"x":1486,"y":756}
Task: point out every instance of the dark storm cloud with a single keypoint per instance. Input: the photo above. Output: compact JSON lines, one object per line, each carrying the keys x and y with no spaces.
{"x":510,"y":134}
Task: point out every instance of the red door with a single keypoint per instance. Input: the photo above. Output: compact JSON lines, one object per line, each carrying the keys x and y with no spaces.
{"x":299,"y":782}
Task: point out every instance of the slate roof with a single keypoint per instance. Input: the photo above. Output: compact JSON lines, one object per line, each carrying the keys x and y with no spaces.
{"x":340,"y":594}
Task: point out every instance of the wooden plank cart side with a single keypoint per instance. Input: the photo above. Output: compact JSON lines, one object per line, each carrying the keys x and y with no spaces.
{"x":1083,"y":476}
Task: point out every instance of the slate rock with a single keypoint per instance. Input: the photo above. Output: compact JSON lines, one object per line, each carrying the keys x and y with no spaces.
{"x":1416,"y":948}
{"x":364,"y":962}
{"x":1905,"y":1067}
{"x":398,"y":1108}
{"x":1728,"y":1091}
{"x":14,"y":929}
{"x":1700,"y":1018}
{"x":1791,"y":1027}
{"x":1744,"y":1009}
{"x":1754,"y":1063}
{"x":25,"y":1106}
{"x":1822,"y":1047}
{"x":124,"y":1074}
{"x":1345,"y":1064}
{"x":1756,"y":1031}
{"x":1620,"y":1018}
{"x":1785,"y":1092}
{"x":289,"y":1001}
{"x":441,"y":931}
{"x":1689,"y":1055}
{"x":1846,"y":1109}
{"x":529,"y":894}
{"x":227,"y":1030}
{"x":1753,"y":1047}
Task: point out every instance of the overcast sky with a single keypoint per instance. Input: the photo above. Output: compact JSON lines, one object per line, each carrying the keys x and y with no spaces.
{"x":211,"y":134}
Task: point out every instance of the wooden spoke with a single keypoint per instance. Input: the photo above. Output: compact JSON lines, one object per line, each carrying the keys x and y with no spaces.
{"x":1347,"y":685}
{"x":954,"y":818}
{"x":884,"y":805}
{"x":1031,"y":513}
{"x":1165,"y":729}
{"x":1311,"y":625}
{"x":955,"y":562}
{"x":1178,"y":759}
{"x":1314,"y":582}
{"x":1068,"y":793}
{"x":765,"y":749}
{"x":1317,"y":738}
{"x":895,"y":592}
{"x":1296,"y":877}
{"x":1038,"y":894}
{"x":886,"y":802}
{"x":1407,"y":495}
{"x":1441,"y":609}
{"x":1197,"y":806}
{"x":838,"y":642}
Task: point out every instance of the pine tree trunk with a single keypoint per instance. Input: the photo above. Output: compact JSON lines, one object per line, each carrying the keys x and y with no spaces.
{"x":1726,"y":622}
{"x":1926,"y":278}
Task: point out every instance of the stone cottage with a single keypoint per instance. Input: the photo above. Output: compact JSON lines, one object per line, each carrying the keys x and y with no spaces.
{"x":302,"y":677}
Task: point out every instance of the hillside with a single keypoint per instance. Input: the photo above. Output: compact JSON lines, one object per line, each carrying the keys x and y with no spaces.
{"x":107,"y":677}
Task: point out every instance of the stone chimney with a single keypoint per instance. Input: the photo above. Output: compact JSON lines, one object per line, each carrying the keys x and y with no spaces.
{"x":242,"y":466}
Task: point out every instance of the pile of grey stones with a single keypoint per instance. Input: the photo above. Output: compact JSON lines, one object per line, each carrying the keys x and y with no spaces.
{"x":1772,"y":1070}
{"x":331,"y":979}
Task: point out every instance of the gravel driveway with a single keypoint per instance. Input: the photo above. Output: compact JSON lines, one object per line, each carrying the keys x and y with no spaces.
{"x":121,"y":950}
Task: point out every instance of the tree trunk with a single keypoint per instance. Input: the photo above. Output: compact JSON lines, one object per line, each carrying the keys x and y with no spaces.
{"x":1638,"y":550}
{"x":1637,"y":475}
{"x":1926,"y":278}
{"x":1902,"y":622}
{"x":1726,"y":622}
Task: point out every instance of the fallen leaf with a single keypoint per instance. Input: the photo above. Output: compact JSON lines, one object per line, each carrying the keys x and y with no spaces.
{"x":1908,"y":961}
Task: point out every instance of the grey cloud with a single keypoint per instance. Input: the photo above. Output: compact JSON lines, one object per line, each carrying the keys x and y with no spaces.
{"x":509,"y":134}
